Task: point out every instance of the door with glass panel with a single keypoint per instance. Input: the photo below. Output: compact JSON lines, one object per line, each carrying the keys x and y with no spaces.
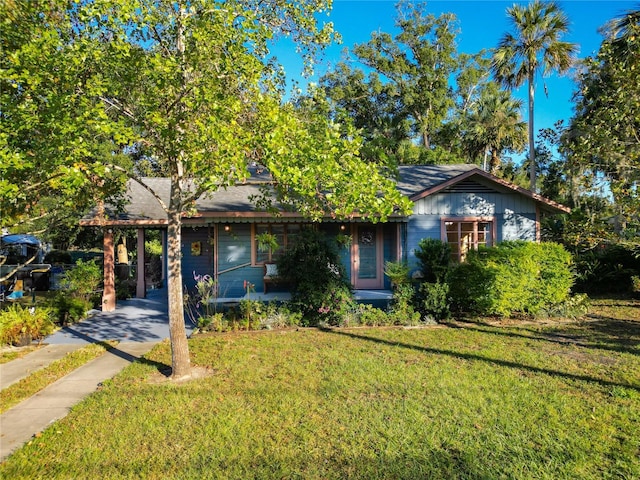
{"x":368,"y":257}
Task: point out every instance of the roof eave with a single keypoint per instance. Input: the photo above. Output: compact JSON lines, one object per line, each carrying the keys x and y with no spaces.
{"x":545,"y":202}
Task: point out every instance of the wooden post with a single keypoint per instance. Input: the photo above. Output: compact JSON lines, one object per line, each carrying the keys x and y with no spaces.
{"x":109,"y":292}
{"x":141,"y":287}
{"x":163,"y":257}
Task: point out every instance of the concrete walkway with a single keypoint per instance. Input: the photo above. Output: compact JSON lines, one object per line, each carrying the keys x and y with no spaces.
{"x":137,"y":323}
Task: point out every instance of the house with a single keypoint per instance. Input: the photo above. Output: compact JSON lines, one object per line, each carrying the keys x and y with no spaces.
{"x":459,"y":204}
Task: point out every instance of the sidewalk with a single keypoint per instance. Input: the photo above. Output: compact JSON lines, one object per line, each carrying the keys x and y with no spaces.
{"x":19,"y":368}
{"x":137,"y":323}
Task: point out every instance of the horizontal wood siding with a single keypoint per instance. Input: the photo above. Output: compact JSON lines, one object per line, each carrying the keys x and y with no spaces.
{"x":516,"y":226}
{"x":419,"y":227}
{"x":474,"y":204}
{"x":515,"y":216}
{"x":234,"y":261}
{"x":196,"y":264}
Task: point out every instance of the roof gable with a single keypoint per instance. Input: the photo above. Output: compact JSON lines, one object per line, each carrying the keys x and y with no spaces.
{"x":475,"y":178}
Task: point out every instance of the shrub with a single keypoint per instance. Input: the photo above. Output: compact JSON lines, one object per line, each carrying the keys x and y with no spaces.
{"x":398,"y":272}
{"x":319,"y":286}
{"x":58,"y":257}
{"x":371,"y":316}
{"x":83,"y":280}
{"x":19,"y":325}
{"x":432,"y":301}
{"x":434,"y":258}
{"x":69,"y":310}
{"x":606,"y":269}
{"x":202,"y":302}
{"x":512,"y":277}
{"x":401,"y":311}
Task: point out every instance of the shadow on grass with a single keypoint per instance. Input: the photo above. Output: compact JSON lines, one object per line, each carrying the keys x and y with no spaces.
{"x":161,"y":367}
{"x":622,"y":336}
{"x":494,"y":361}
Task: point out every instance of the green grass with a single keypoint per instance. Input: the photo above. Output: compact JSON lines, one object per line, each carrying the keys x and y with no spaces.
{"x":39,"y":379}
{"x":520,"y":402}
{"x":8,"y":354}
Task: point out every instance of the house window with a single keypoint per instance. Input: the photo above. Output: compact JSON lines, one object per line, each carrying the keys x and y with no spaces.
{"x":285,"y":235}
{"x":465,"y":234}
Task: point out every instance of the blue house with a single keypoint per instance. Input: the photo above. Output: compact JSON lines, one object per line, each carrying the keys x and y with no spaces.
{"x":459,"y":204}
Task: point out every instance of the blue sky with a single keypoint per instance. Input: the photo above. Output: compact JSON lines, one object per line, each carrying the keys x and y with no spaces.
{"x":481,"y":24}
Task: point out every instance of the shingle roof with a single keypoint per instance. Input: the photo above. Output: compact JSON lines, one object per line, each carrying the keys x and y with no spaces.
{"x":415,"y":181}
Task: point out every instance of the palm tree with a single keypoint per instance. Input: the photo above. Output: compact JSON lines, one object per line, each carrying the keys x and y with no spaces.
{"x":496,"y":124}
{"x":533,"y":46}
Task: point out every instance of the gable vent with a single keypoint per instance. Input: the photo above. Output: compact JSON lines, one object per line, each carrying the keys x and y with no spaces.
{"x":469,"y":186}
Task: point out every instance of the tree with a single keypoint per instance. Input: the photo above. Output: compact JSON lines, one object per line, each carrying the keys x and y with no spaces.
{"x":534,"y":46}
{"x":190,"y":84}
{"x":495,"y":125}
{"x":407,"y":84}
{"x":603,"y":136}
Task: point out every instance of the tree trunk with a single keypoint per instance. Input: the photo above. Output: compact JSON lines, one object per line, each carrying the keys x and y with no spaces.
{"x":532,"y":149}
{"x":180,"y":361}
{"x":494,"y":164}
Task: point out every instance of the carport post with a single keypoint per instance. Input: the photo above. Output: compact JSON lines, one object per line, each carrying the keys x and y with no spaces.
{"x":109,"y":292}
{"x":141,"y":287}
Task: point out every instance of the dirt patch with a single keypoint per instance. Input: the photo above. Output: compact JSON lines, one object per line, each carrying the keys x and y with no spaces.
{"x":164,"y":376}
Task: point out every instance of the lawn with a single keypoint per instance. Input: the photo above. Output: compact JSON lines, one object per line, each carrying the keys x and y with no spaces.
{"x":469,"y":400}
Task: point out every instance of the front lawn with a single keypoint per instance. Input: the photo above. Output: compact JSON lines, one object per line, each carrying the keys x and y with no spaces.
{"x":463,"y":401}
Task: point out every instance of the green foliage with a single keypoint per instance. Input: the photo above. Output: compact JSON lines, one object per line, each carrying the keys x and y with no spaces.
{"x":201,"y":305}
{"x":153,"y":247}
{"x":603,"y":135}
{"x":401,"y":309}
{"x":432,"y":301}
{"x":398,"y":272}
{"x":574,"y":306}
{"x":370,"y":316}
{"x":513,"y":277}
{"x":319,"y":285}
{"x":191,"y":88}
{"x":20,"y":325}
{"x":253,"y":315}
{"x":608,"y":268}
{"x":532,"y":47}
{"x":70,"y":309}
{"x":267,"y":242}
{"x":434,"y":258}
{"x":58,"y":257}
{"x":401,"y":95}
{"x":83,"y":280}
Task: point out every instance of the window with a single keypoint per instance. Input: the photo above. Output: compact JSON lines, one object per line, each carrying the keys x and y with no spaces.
{"x":285,"y":235}
{"x":465,"y":234}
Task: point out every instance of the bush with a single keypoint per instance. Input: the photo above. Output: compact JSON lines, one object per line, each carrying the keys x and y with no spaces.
{"x":401,"y":311}
{"x":70,"y":310}
{"x":20,"y":326}
{"x":512,"y":277}
{"x":606,"y":269}
{"x":398,"y":272}
{"x":319,"y":286}
{"x":434,"y":259}
{"x":432,"y":301}
{"x":371,"y":316}
{"x":59,"y":257}
{"x":83,"y":280}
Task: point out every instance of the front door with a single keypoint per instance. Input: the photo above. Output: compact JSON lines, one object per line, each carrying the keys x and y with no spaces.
{"x":368,"y":257}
